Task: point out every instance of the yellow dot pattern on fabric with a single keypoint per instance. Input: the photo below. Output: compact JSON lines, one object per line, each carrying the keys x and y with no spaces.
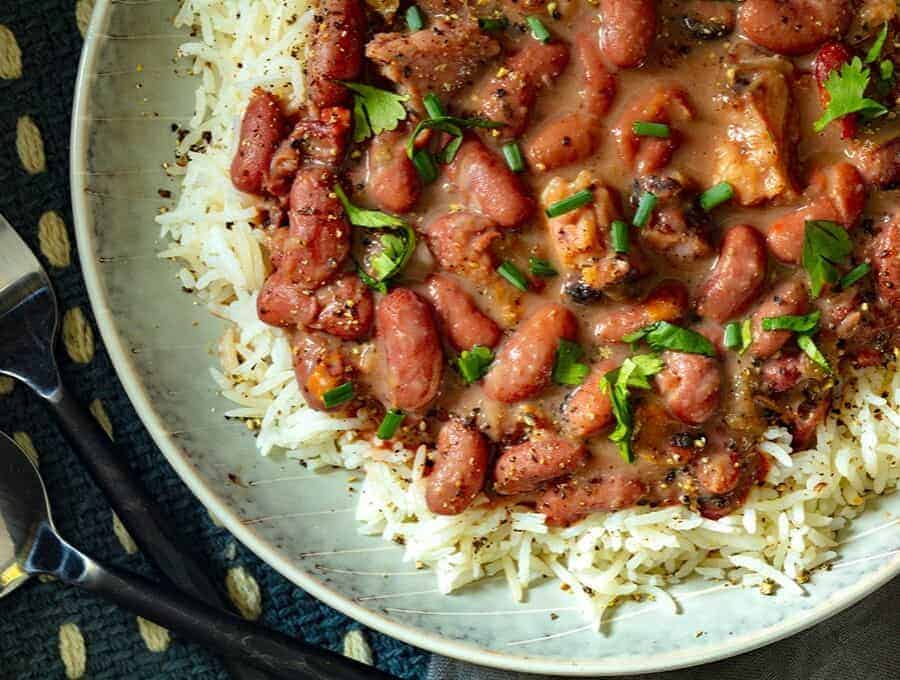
{"x":10,"y":55}
{"x":100,"y":415}
{"x":155,"y":637}
{"x":72,"y":651}
{"x":356,"y":647}
{"x":124,"y":537}
{"x":78,"y":337}
{"x":54,"y":240}
{"x":83,"y":9}
{"x":244,"y":593}
{"x":25,"y":443}
{"x":30,"y":146}
{"x":7,"y":385}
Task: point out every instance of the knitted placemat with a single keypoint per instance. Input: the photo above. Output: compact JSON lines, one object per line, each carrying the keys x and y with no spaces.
{"x":48,"y":631}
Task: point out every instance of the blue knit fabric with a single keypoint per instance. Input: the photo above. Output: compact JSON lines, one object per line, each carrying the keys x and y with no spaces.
{"x":48,"y":36}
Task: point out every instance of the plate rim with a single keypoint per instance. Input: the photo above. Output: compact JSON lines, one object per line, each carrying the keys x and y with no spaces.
{"x":432,"y":642}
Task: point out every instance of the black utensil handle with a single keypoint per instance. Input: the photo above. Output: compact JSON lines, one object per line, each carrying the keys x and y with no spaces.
{"x":153,"y":533}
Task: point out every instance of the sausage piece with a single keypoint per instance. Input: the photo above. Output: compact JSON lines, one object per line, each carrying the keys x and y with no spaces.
{"x":566,"y":503}
{"x":794,"y":27}
{"x":459,"y":471}
{"x":261,"y":131}
{"x":690,"y":386}
{"x":668,"y":301}
{"x":588,"y":410}
{"x":463,"y":323}
{"x":788,"y":298}
{"x":525,"y":360}
{"x":738,"y":276}
{"x":393,"y":184}
{"x":336,"y":51}
{"x":544,"y":456}
{"x":412,"y":349}
{"x":627,"y":31}
{"x":461,"y":243}
{"x":489,"y":186}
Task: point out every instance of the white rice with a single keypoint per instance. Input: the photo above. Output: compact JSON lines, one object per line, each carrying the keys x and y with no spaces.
{"x":786,"y":529}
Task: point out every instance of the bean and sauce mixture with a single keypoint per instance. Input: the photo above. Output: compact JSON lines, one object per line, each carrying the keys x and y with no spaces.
{"x":588,"y":251}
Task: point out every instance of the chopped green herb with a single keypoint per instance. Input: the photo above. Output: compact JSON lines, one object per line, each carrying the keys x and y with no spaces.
{"x":644,"y":129}
{"x":663,"y":335}
{"x":339,"y":395}
{"x":886,"y":69}
{"x":807,"y":323}
{"x":733,"y":335}
{"x":619,"y":236}
{"x":567,"y":370}
{"x":538,"y":31}
{"x":541,"y":268}
{"x":452,"y":126}
{"x":490,"y":24}
{"x":646,"y":204}
{"x":805,"y":342}
{"x":473,"y":363}
{"x":874,"y":52}
{"x":414,"y":18}
{"x":846,"y":88}
{"x":393,"y":249}
{"x":855,"y":274}
{"x":746,"y":335}
{"x":511,"y":273}
{"x":433,"y":105}
{"x":361,"y":217}
{"x":634,"y":373}
{"x":390,"y":423}
{"x":425,"y":165}
{"x":513,"y":156}
{"x":716,"y":196}
{"x":372,"y":283}
{"x":825,"y":244}
{"x":375,"y":110}
{"x":570,"y":203}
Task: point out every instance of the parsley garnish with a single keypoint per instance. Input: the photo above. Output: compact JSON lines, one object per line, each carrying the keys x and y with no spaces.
{"x":875,"y":50}
{"x":634,"y":373}
{"x":473,"y":363}
{"x":566,"y":368}
{"x":375,"y":110}
{"x":664,"y":335}
{"x":798,"y":324}
{"x":452,"y":126}
{"x":825,"y":244}
{"x":846,"y":88}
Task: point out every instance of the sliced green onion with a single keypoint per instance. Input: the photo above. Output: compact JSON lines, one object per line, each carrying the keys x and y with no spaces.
{"x":511,"y":273}
{"x":513,"y":156}
{"x":493,"y":23}
{"x":644,"y":129}
{"x":809,"y":348}
{"x":746,"y":335}
{"x":733,"y":335}
{"x":542,"y":268}
{"x":716,"y":195}
{"x":538,"y":31}
{"x":473,"y":363}
{"x":855,"y":274}
{"x":425,"y":165}
{"x":390,"y":423}
{"x":570,"y":203}
{"x":433,"y":105}
{"x":886,"y":69}
{"x":414,"y":18}
{"x":619,"y":234}
{"x":339,"y":395}
{"x":645,"y":208}
{"x":807,"y":323}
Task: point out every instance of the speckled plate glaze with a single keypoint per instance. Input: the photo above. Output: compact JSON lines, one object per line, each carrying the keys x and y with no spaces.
{"x":128,"y":97}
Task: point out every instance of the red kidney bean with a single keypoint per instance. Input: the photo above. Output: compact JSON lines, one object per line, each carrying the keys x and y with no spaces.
{"x":489,"y":186}
{"x":544,"y":456}
{"x":885,"y":254}
{"x":690,"y":386}
{"x":788,"y":298}
{"x":281,"y":302}
{"x":784,"y":373}
{"x":320,"y":366}
{"x":459,"y":471}
{"x":525,"y":360}
{"x":570,"y":501}
{"x":668,"y":301}
{"x":562,"y":141}
{"x":463,"y":323}
{"x":261,"y":131}
{"x":412,"y":349}
{"x":738,"y":276}
{"x":627,"y":31}
{"x":663,"y":104}
{"x":588,"y":410}
{"x":346,"y":308}
{"x":794,"y":27}
{"x":393,"y":184}
{"x":336,"y":51}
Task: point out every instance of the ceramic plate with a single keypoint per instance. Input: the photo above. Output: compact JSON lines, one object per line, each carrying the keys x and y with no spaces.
{"x":128,"y":98}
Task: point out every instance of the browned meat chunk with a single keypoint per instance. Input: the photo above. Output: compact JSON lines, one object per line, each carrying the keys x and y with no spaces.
{"x":461,"y":243}
{"x":677,"y":228}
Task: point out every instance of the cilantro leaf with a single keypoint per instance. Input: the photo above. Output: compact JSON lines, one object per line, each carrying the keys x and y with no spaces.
{"x":875,"y":50}
{"x":846,"y":88}
{"x":375,"y":110}
{"x":634,"y":373}
{"x":664,"y":335}
{"x":825,"y":244}
{"x":566,"y":368}
{"x":473,"y":363}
